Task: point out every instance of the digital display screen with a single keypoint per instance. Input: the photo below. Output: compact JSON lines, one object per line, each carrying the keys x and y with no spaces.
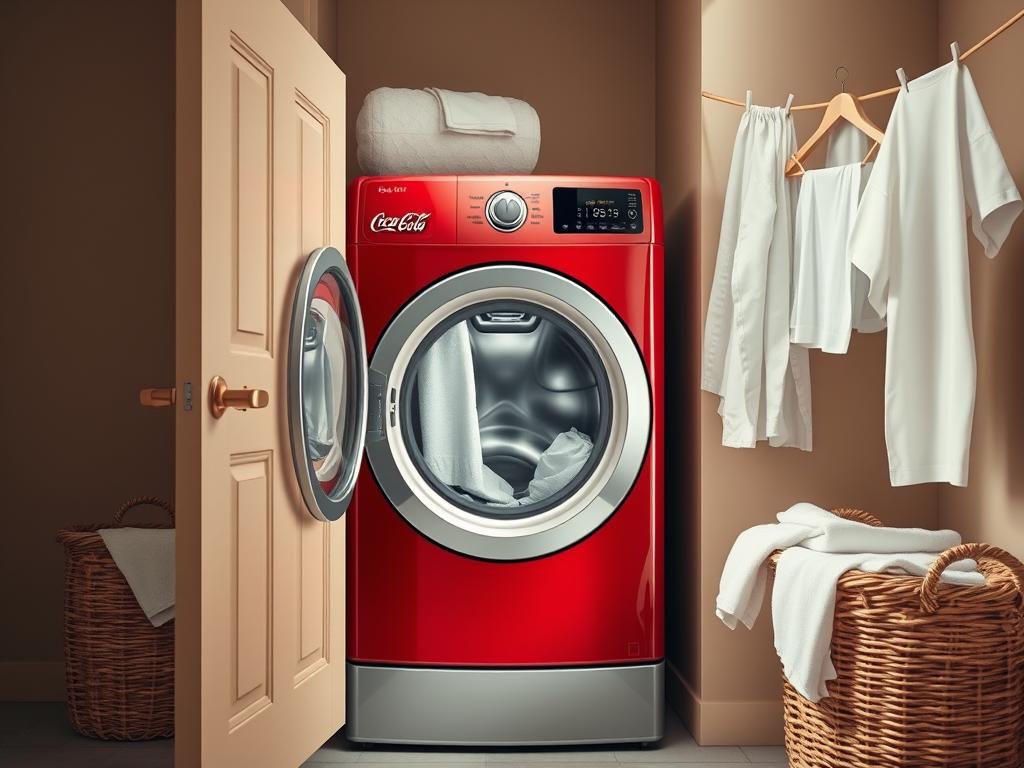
{"x":598,"y":211}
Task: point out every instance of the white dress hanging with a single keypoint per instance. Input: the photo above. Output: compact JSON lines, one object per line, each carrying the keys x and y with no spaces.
{"x":939,"y":162}
{"x":763,"y":381}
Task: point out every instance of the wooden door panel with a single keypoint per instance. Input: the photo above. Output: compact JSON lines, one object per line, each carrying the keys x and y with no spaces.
{"x":261,"y":583}
{"x":252,"y":156}
{"x":251,"y":658}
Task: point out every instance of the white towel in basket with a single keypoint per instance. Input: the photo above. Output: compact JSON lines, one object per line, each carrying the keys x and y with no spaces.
{"x":819,"y":547}
{"x":146,"y":558}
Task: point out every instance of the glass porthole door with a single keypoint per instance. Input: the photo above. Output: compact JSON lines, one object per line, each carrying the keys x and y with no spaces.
{"x":514,"y":412}
{"x":327,"y":385}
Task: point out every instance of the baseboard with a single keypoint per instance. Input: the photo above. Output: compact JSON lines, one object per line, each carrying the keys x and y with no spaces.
{"x":31,"y":681}
{"x":724,"y":723}
{"x":681,"y":697}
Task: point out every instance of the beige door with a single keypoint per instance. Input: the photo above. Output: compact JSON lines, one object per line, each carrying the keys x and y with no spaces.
{"x":260,"y":653}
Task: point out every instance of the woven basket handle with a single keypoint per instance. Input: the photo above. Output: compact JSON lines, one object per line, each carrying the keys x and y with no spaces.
{"x":140,"y":501}
{"x":980,"y":552}
{"x":858,"y":516}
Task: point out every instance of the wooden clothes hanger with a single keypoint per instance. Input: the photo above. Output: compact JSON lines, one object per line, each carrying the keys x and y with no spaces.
{"x":843,"y":106}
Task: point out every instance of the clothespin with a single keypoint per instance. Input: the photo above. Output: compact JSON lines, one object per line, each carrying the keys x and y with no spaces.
{"x":903,"y":78}
{"x":789,"y":103}
{"x":750,"y":98}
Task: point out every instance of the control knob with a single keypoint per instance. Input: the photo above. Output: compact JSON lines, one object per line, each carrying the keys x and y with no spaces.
{"x":506,"y":211}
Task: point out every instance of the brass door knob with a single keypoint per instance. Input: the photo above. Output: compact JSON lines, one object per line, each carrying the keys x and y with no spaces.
{"x":158,"y":397}
{"x":222,"y":398}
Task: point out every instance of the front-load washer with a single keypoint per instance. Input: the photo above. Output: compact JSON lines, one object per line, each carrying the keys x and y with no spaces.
{"x":505,"y":565}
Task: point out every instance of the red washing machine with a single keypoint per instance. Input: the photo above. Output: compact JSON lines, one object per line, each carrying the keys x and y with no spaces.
{"x":505,"y":564}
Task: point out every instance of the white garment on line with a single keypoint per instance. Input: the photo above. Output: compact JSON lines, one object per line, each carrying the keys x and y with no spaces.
{"x":449,"y":422}
{"x":939,"y":161}
{"x":475,"y":113}
{"x":829,"y":293}
{"x":805,"y":586}
{"x":145,"y":556}
{"x":763,"y":381}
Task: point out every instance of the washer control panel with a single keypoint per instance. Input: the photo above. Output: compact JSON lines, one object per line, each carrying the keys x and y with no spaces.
{"x":506,"y":211}
{"x":588,"y":210}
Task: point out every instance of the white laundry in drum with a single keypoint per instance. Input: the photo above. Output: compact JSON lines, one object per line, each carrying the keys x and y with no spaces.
{"x":324,"y":394}
{"x":450,"y":432}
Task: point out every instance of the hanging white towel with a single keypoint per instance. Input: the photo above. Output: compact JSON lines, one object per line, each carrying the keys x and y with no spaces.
{"x":449,"y":423}
{"x":829,"y":293}
{"x":818,"y":548}
{"x":762,"y":380}
{"x":146,"y":558}
{"x":475,"y":113}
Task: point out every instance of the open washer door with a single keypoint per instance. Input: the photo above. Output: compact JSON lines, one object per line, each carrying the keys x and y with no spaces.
{"x":327,"y":385}
{"x":510,"y":412}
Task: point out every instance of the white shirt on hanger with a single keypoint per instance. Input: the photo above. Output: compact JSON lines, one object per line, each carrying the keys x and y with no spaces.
{"x":938,"y":162}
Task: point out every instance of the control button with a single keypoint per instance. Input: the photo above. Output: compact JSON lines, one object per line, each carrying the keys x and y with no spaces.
{"x":631,"y":213}
{"x":506,"y":211}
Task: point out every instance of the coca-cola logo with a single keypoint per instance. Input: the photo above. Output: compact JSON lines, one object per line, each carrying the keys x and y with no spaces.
{"x":409,"y":222}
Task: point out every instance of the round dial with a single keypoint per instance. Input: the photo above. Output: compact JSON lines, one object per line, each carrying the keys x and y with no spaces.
{"x":506,"y":211}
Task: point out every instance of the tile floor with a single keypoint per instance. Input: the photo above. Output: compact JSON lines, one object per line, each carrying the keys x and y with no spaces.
{"x":39,"y":736}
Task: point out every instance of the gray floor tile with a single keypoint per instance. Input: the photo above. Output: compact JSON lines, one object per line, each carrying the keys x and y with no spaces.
{"x":765,"y":754}
{"x":558,"y":755}
{"x":390,"y":755}
{"x":80,"y":757}
{"x":337,"y":750}
{"x":40,"y":736}
{"x":678,"y":746}
{"x":34,"y":724}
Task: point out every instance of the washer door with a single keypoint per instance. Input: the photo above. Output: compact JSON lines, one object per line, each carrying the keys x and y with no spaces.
{"x":510,"y":412}
{"x":327,"y":385}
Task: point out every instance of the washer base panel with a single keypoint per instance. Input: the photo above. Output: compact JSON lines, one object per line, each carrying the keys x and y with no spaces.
{"x":505,"y":707}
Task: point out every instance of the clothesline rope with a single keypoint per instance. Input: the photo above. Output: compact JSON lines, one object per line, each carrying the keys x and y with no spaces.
{"x":885,"y":91}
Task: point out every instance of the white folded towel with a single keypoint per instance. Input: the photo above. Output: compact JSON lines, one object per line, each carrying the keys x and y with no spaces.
{"x":837,"y":534}
{"x":146,"y":558}
{"x":449,"y":423}
{"x":805,"y":586}
{"x":475,"y":113}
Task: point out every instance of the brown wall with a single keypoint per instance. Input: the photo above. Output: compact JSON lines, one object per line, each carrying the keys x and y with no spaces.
{"x":586,"y":66}
{"x":678,"y":47}
{"x":320,"y":18}
{"x":87,"y":299}
{"x":774,"y":48}
{"x":991,"y":508}
{"x":87,"y":296}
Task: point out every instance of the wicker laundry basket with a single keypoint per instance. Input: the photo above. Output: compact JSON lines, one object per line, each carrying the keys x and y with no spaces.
{"x":930,"y":674}
{"x":120,"y":668}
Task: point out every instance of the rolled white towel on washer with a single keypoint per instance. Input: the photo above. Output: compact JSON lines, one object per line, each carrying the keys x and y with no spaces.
{"x":403,"y":131}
